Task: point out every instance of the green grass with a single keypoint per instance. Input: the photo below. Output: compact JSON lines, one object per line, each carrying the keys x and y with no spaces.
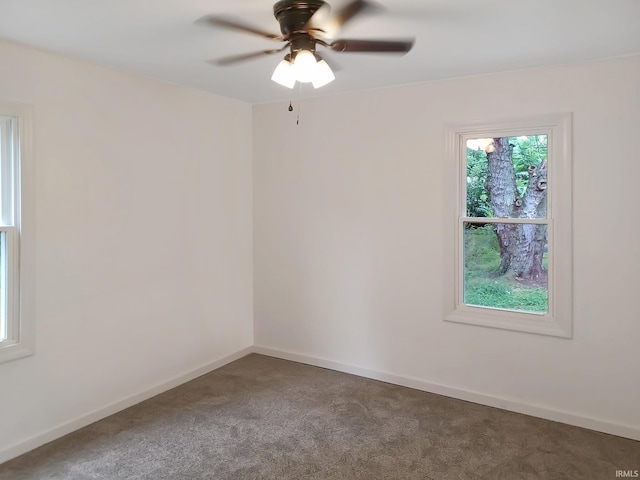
{"x":483,"y":288}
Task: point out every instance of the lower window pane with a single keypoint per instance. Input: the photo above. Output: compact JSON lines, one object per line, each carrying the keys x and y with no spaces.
{"x":506,"y":266}
{"x":3,"y":286}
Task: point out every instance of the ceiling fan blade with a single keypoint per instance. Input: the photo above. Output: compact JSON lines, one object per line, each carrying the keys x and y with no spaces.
{"x":245,"y":56}
{"x":350,"y":10}
{"x":374,"y":46}
{"x":218,"y":21}
{"x":329,"y":24}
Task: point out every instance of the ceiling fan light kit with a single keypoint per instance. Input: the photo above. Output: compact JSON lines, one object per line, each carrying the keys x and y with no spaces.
{"x":306,"y":67}
{"x":305,"y":24}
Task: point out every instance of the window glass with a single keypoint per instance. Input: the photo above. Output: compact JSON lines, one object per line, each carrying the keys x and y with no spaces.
{"x":486,"y":286}
{"x":507,"y":177}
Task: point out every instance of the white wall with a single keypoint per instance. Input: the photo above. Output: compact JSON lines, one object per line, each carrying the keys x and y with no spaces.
{"x":351,"y":244}
{"x":141,"y":239}
{"x":141,"y":225}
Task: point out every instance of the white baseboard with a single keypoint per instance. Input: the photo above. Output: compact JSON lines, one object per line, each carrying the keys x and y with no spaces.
{"x":103,"y":412}
{"x":506,"y":404}
{"x":512,"y":405}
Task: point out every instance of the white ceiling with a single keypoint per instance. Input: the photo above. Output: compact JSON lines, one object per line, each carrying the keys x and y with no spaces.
{"x":158,"y":39}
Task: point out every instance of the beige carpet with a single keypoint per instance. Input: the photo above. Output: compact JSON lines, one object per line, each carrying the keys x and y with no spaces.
{"x":264,"y":418}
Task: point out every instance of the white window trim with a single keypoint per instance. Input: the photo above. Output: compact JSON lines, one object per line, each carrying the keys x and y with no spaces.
{"x":559,"y":319}
{"x":20,"y":332}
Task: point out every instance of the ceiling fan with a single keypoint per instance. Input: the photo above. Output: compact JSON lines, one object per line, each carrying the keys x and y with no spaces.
{"x":305,"y":25}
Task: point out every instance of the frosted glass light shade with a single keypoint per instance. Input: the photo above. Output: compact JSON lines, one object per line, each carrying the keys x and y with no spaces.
{"x":304,"y":66}
{"x":323,"y":75}
{"x":284,"y":74}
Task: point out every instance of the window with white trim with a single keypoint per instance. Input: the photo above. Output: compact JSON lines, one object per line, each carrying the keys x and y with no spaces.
{"x":511,"y":250}
{"x":15,"y":334}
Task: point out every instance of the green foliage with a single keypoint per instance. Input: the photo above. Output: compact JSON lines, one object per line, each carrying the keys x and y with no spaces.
{"x":478,"y":204}
{"x":527,"y":151}
{"x":496,"y":294}
{"x":482,"y":250}
{"x":482,"y":288}
{"x":488,"y":294}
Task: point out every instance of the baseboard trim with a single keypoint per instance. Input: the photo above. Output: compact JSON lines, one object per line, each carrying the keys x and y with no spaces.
{"x":36,"y":441}
{"x":512,"y":405}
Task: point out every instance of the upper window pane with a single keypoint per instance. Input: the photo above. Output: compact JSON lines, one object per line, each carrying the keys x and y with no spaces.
{"x":7,"y":133}
{"x":3,"y":156}
{"x":507,"y":177}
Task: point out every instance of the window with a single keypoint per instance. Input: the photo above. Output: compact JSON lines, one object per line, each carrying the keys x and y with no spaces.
{"x":512,"y":225}
{"x":15,"y":333}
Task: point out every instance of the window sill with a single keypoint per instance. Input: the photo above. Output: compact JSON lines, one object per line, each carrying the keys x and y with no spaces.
{"x":14,"y":351}
{"x":510,"y":320}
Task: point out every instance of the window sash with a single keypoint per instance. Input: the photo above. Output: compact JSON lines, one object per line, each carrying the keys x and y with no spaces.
{"x":9,"y":295}
{"x":460,"y":265}
{"x":9,"y":136}
{"x":512,"y":133}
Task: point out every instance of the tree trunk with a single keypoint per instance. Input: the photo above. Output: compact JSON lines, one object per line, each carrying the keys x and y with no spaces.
{"x":501,"y":185}
{"x":531,"y":239}
{"x":521,"y":245}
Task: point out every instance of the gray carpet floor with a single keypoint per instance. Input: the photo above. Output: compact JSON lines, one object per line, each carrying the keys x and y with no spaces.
{"x":262,"y":418}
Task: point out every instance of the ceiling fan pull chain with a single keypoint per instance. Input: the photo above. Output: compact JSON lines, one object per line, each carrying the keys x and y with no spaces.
{"x":290,"y":106}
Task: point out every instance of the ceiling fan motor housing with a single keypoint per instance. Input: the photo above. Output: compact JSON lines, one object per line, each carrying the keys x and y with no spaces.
{"x":306,"y":24}
{"x":293,"y":15}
